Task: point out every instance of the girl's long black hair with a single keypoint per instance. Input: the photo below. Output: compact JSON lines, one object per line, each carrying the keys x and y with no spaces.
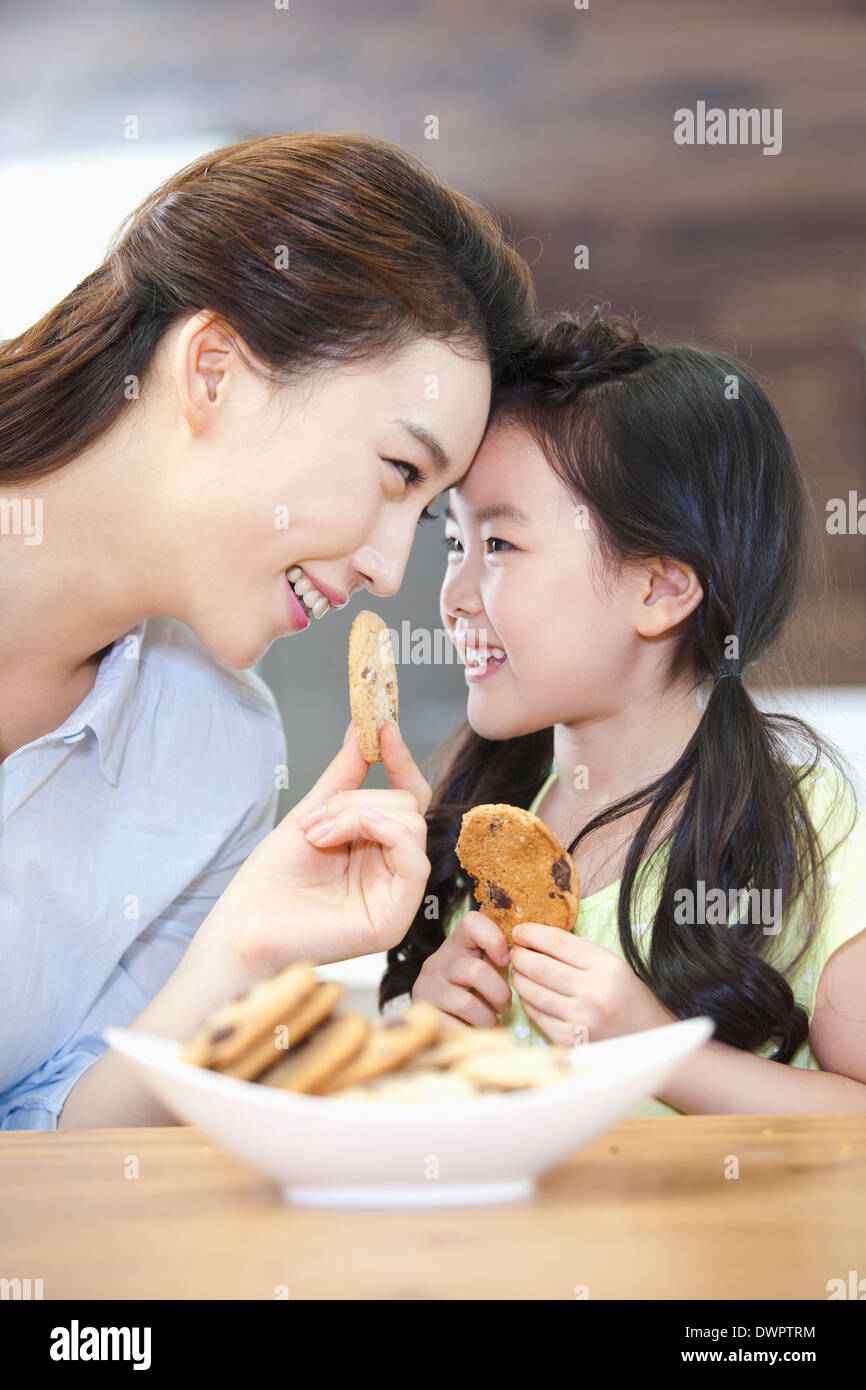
{"x":675,"y":452}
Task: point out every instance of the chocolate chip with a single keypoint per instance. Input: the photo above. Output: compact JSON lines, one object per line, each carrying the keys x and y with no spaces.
{"x":498,"y":896}
{"x":222,"y":1033}
{"x":561,"y":873}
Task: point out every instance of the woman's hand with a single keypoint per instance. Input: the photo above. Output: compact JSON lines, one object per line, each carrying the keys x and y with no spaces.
{"x":577,"y":991}
{"x":325,"y":892}
{"x":463,"y":977}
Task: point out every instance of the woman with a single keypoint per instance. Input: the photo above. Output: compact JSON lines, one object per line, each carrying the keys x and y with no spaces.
{"x":239,"y":418}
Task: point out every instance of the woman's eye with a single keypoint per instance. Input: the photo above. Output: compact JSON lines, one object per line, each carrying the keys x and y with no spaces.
{"x":497,"y":540}
{"x":413,"y":477}
{"x":451,"y":542}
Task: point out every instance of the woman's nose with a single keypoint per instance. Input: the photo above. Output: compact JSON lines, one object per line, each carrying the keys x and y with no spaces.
{"x":382,"y":574}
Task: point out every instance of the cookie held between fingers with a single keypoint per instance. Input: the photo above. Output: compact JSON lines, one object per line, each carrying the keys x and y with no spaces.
{"x":520,"y":870}
{"x":237,"y":1027}
{"x":373,"y":694}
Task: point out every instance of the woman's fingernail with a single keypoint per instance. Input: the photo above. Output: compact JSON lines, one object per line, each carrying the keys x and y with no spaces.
{"x":323,"y":828}
{"x":311,"y":817}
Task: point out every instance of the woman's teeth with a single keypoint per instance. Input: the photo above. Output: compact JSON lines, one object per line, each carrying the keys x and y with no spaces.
{"x":307,"y":592}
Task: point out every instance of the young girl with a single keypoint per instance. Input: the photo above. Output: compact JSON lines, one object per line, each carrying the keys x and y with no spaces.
{"x":629,"y":540}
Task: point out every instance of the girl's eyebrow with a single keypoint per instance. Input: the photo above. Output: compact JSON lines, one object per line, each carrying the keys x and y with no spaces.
{"x":494,"y":510}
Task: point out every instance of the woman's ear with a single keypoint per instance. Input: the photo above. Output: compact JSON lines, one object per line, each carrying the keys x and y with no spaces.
{"x":206,"y":353}
{"x":666,"y":592}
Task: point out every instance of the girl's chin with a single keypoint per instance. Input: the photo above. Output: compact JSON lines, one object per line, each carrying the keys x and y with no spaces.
{"x":495,"y":729}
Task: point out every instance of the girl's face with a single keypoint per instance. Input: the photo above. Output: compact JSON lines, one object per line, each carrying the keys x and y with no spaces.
{"x":328,"y":477}
{"x":518,"y":588}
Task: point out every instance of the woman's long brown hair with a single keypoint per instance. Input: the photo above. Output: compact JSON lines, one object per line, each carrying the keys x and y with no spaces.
{"x":670,"y":463}
{"x":311,"y":247}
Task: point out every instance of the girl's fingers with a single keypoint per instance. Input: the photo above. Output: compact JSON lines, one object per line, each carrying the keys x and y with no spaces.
{"x":553,"y":1028}
{"x":478,"y":974}
{"x":461,"y":1003}
{"x":539,"y":997}
{"x":477,"y":932}
{"x":555,"y":975}
{"x":403,"y":772}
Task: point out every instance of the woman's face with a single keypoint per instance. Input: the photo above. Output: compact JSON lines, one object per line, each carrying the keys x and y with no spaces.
{"x":519,"y":586}
{"x":327,"y":477}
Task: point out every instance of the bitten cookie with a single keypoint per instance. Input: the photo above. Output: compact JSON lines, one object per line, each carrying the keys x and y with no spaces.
{"x":520,"y":870}
{"x":373,"y":694}
{"x":389,"y":1045}
{"x":244,"y":1023}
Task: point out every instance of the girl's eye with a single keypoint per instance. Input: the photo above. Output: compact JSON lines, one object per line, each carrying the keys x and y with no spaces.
{"x":453,"y":543}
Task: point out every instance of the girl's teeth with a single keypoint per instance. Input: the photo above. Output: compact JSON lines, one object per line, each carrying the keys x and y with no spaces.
{"x":294,"y":573}
{"x":320,"y":607}
{"x":302,"y":586}
{"x":475,"y":658}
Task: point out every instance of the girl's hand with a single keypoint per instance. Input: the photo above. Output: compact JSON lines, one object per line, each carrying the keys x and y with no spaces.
{"x":577,"y":991}
{"x":463,"y":977}
{"x":319,"y":892}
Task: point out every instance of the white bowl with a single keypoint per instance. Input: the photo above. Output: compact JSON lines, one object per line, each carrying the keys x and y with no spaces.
{"x":345,"y":1153}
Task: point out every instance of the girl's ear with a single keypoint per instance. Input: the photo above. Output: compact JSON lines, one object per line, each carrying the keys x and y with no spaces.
{"x":666,"y":592}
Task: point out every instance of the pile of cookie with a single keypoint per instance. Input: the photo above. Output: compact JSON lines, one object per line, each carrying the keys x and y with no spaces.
{"x":285,"y":1033}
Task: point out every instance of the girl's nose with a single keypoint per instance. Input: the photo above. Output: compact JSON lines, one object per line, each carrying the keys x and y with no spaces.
{"x":459,"y":596}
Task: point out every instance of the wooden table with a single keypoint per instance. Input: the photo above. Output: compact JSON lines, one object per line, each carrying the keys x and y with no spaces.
{"x":645,"y":1212}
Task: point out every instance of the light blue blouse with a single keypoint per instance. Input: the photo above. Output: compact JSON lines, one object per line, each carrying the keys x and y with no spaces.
{"x":118,"y":832}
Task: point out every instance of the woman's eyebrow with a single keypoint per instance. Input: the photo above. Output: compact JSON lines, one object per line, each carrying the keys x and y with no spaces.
{"x":430,"y":443}
{"x":505,"y":510}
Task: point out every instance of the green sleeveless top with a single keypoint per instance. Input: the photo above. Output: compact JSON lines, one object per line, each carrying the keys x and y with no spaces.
{"x":844,"y":916}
